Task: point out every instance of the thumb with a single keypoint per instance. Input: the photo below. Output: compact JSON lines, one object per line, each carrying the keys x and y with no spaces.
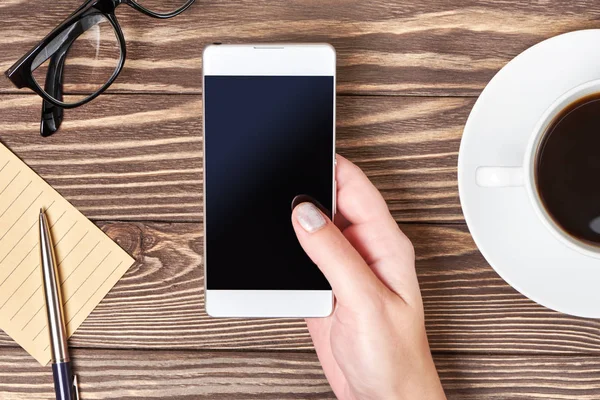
{"x":349,"y":276}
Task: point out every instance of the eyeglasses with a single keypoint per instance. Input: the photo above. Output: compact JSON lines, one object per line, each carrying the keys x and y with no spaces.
{"x":82,"y":56}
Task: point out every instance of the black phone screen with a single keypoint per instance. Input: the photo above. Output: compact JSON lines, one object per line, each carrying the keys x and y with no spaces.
{"x":267,"y":139}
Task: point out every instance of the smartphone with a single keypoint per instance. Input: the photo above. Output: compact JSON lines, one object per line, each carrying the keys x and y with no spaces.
{"x":269,"y":136}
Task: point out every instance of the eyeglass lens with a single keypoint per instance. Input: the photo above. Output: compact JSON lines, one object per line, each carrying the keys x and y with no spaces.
{"x":83,"y":58}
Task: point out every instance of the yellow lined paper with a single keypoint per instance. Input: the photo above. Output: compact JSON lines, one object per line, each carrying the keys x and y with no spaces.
{"x":89,"y":262}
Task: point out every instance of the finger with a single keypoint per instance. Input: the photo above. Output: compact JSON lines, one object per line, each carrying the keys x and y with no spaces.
{"x":358,"y":199}
{"x":340,"y":221}
{"x":350,"y":277}
{"x":373,"y":231}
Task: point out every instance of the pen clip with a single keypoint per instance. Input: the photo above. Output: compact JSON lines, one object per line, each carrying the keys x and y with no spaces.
{"x":75,"y":388}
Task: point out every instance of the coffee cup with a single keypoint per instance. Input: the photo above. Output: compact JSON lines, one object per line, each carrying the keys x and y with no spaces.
{"x":558,"y":158}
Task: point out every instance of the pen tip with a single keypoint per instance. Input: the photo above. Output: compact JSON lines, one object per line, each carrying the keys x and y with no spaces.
{"x":41,"y":210}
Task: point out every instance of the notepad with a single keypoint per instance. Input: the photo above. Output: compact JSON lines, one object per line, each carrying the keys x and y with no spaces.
{"x":89,"y":262}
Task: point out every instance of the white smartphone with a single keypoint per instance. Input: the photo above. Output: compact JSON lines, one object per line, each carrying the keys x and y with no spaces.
{"x":269,"y":136}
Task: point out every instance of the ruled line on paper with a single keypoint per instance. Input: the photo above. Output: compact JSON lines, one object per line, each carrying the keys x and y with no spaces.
{"x":29,"y":252}
{"x":5,"y":164}
{"x":73,"y":248}
{"x":15,"y":199}
{"x":40,"y":332}
{"x":88,"y":299}
{"x":20,"y":262}
{"x":20,"y":285}
{"x":86,"y":279}
{"x":33,"y":316}
{"x":26,"y":255}
{"x":25,"y":303}
{"x":80,"y":262}
{"x":40,"y":286}
{"x":93,"y":294}
{"x":21,"y":216}
{"x":65,"y":234}
{"x":11,"y":181}
{"x":84,"y":254}
{"x":26,"y":232}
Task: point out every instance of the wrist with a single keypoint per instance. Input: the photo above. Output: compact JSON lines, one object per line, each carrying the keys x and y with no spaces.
{"x":420,"y":380}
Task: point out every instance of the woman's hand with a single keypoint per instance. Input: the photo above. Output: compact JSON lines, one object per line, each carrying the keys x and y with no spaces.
{"x":374,"y":344}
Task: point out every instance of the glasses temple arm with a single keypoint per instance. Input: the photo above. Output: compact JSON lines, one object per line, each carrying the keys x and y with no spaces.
{"x":52,"y":115}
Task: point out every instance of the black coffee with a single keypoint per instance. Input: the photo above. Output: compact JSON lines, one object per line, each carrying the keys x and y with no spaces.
{"x":568,"y":169}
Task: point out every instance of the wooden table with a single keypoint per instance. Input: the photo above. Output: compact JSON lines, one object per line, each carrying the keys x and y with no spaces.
{"x":409,"y":72}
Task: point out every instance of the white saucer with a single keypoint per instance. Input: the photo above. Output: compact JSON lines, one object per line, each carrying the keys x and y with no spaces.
{"x":502,"y":221}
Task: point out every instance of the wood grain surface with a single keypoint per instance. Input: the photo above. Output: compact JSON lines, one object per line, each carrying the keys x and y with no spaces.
{"x":159,"y":303}
{"x":128,"y":375}
{"x":440,"y":47}
{"x":131,"y":160}
{"x":131,"y":157}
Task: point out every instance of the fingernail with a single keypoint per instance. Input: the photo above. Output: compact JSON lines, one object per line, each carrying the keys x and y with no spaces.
{"x":309,"y":217}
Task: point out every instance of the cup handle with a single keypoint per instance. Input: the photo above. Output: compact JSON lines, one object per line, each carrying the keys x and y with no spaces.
{"x":500,"y":176}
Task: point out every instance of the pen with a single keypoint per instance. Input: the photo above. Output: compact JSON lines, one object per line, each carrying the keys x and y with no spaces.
{"x":65,"y":383}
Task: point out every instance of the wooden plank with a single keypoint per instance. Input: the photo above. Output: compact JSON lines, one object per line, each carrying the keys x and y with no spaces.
{"x":469,"y":308}
{"x":128,"y":157}
{"x":467,"y":377}
{"x":435,"y":47}
{"x":125,"y":375}
{"x":171,"y":375}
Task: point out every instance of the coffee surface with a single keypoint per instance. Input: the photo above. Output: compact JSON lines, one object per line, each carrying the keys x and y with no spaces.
{"x":568,"y":169}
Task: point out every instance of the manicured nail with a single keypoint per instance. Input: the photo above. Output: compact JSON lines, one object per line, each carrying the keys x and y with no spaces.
{"x":309,"y":217}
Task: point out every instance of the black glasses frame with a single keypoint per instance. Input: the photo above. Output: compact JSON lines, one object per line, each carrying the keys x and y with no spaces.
{"x":21,"y":73}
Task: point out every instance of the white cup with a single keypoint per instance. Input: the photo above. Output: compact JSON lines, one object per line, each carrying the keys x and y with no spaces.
{"x":504,"y":176}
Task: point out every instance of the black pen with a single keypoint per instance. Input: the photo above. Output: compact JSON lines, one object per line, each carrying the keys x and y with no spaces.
{"x":65,"y":382}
